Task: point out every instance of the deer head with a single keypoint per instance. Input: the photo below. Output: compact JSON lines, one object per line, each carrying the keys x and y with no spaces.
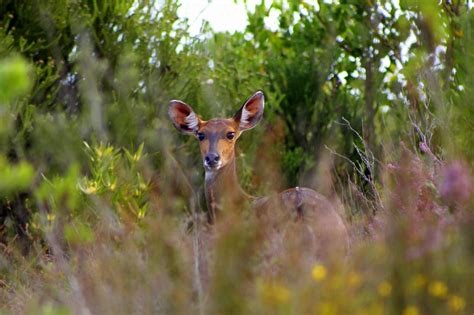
{"x":217,"y":137}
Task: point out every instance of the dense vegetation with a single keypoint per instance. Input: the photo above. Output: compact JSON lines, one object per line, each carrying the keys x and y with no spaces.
{"x":368,"y":102}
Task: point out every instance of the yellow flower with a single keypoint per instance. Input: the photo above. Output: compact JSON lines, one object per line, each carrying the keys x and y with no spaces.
{"x":354,"y":279}
{"x":319,"y":272}
{"x":384,"y":289}
{"x":456,"y":303}
{"x":91,"y":188}
{"x":112,"y":185}
{"x":99,"y":151}
{"x":274,"y":293}
{"x":136,"y":157}
{"x":50,"y":217}
{"x":438,"y":289}
{"x":411,"y":310}
{"x":141,"y":213}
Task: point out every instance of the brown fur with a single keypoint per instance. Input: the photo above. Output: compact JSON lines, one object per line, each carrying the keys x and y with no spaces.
{"x":215,"y":131}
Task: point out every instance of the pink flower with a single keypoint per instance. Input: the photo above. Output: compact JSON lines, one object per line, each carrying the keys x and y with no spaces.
{"x":424,"y":148}
{"x":456,"y":185}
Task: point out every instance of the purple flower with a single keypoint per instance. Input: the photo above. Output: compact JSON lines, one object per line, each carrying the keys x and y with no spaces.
{"x":456,"y":185}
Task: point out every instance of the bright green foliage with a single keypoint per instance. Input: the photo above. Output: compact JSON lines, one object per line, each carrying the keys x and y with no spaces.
{"x":14,"y":177}
{"x":116,"y":175}
{"x":60,"y":192}
{"x":14,"y":79}
{"x":15,"y":82}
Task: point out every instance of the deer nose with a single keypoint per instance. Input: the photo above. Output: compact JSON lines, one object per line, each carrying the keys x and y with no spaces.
{"x":212,"y":159}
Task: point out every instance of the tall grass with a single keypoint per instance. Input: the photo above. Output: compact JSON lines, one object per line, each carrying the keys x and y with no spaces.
{"x":414,"y":256}
{"x":102,"y":207}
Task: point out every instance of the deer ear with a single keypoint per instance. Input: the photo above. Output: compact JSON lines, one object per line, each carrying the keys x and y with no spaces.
{"x":183,"y":117}
{"x":251,"y":112}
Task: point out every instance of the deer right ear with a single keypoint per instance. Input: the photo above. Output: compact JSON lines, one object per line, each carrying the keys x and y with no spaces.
{"x":183,"y":117}
{"x":251,"y":112}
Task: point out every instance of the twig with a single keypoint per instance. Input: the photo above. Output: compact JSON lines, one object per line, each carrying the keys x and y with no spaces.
{"x":197,"y":256}
{"x":197,"y":240}
{"x":78,"y":300}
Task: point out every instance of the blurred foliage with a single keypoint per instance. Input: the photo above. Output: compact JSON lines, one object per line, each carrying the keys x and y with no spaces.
{"x":14,"y":79}
{"x":15,"y":177}
{"x":366,"y":100}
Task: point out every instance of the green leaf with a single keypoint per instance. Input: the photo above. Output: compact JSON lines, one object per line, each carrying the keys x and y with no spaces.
{"x":15,"y":79}
{"x":14,"y":177}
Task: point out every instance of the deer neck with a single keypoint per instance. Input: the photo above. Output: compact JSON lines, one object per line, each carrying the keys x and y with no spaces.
{"x":223,"y":190}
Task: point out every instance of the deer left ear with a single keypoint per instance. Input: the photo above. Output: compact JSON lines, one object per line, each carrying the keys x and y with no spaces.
{"x":251,"y":112}
{"x":183,"y":117}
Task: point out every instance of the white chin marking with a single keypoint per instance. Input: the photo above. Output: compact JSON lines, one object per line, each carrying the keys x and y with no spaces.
{"x":192,"y":121}
{"x":212,"y":169}
{"x":209,"y":175}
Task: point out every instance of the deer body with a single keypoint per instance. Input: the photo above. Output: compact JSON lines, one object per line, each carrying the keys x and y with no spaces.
{"x":312,"y":216}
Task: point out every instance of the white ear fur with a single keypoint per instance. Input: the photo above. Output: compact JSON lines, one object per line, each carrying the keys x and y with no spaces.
{"x":244,"y":118}
{"x":250,"y":118}
{"x":183,"y":117}
{"x":192,"y":121}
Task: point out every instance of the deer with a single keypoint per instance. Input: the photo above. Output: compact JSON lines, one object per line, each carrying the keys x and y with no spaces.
{"x":299,"y":210}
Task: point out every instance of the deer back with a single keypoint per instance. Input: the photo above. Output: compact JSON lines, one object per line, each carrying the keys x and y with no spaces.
{"x":300,"y":220}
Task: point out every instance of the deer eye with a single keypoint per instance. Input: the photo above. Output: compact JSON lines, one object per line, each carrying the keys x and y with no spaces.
{"x":230,"y":135}
{"x":201,"y":136}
